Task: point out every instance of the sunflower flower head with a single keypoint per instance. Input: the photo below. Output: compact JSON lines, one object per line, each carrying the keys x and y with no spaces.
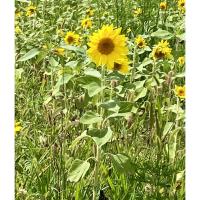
{"x":89,"y":12}
{"x":181,"y":5}
{"x":140,"y":41}
{"x":137,"y":12}
{"x":86,"y":23}
{"x":162,"y":50}
{"x":72,"y":38}
{"x":163,"y":5}
{"x":59,"y":51}
{"x":181,"y":60}
{"x":30,"y":10}
{"x":121,"y":65}
{"x":18,"y":127}
{"x":180,"y":91}
{"x":106,"y":46}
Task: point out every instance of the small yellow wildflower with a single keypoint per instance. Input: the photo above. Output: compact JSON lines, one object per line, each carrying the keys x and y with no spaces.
{"x":59,"y":51}
{"x":161,"y":50}
{"x":90,"y":12}
{"x":180,"y":91}
{"x":86,"y":23}
{"x":181,"y":5}
{"x":72,"y":38}
{"x":181,"y":60}
{"x":18,"y":127}
{"x":30,"y":10}
{"x":18,"y":30}
{"x":163,"y":5}
{"x":137,"y":12}
{"x":140,"y":41}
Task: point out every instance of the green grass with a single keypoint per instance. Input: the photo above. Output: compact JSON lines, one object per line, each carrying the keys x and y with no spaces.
{"x":145,"y":157}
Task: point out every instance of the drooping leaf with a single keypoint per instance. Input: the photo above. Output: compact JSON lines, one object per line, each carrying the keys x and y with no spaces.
{"x":32,"y":53}
{"x":90,"y":118}
{"x":141,"y":93}
{"x":100,"y":136}
{"x":78,"y":170}
{"x":122,"y":163}
{"x":172,"y":145}
{"x":163,"y":34}
{"x":63,"y":80}
{"x":167,"y":128}
{"x":92,"y":72}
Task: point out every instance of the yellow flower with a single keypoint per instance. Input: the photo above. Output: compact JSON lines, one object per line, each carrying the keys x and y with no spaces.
{"x":17,"y":127}
{"x":180,"y":91}
{"x":137,"y":11}
{"x":30,"y":10}
{"x":161,"y":50}
{"x":60,"y":32}
{"x":86,"y":23}
{"x":59,"y":51}
{"x":140,"y":41}
{"x":18,"y":30}
{"x":181,"y":60}
{"x":181,"y":5}
{"x":163,"y":5}
{"x":72,"y":38}
{"x":44,"y":46}
{"x":89,"y":12}
{"x":107,"y":45}
{"x":121,"y":65}
{"x":18,"y":13}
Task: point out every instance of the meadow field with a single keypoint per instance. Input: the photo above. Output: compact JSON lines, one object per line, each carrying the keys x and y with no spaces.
{"x":100,"y":100}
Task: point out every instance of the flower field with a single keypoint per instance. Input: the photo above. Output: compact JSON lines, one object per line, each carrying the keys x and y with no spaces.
{"x":100,"y":100}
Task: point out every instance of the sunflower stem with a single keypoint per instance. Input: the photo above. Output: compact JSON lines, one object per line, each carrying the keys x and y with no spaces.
{"x":133,"y":63}
{"x":96,"y":173}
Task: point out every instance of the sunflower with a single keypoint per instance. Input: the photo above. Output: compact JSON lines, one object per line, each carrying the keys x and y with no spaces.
{"x":90,"y":12}
{"x":86,"y":23}
{"x":59,"y":51}
{"x":181,"y":60}
{"x":72,"y":38}
{"x":163,"y":5}
{"x":137,"y":11}
{"x":107,"y":45}
{"x":180,"y":91}
{"x":161,"y":50}
{"x":30,"y":10}
{"x":181,"y":5}
{"x":17,"y":127}
{"x":121,"y":65}
{"x":140,"y":41}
